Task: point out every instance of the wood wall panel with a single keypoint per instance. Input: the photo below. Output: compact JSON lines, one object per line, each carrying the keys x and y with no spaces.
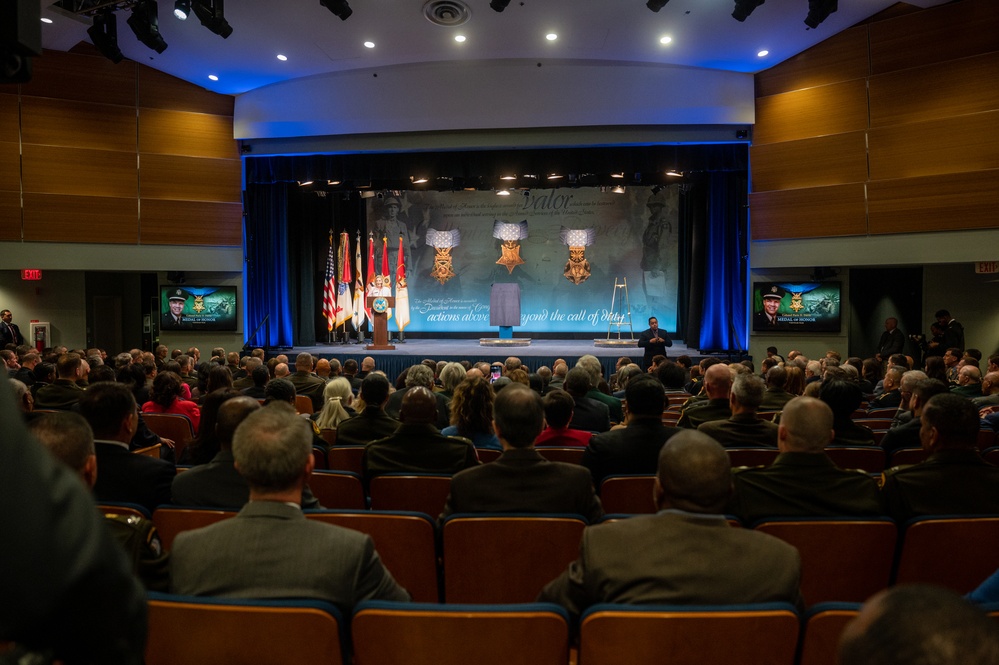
{"x":189,"y":178}
{"x":937,"y":203}
{"x":9,"y":119}
{"x":952,"y":145}
{"x":831,"y":109}
{"x":160,"y":90}
{"x":830,"y":160}
{"x":842,"y":57}
{"x":58,"y":122}
{"x":808,"y":213}
{"x":10,"y":216}
{"x":959,"y":87}
{"x":182,"y":133}
{"x":79,"y":171}
{"x":191,"y":223}
{"x":947,"y":32}
{"x":10,"y":167}
{"x":82,"y":78}
{"x":54,"y":218}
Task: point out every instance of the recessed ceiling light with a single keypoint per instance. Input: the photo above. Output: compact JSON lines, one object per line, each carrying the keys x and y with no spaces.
{"x":551,"y":36}
{"x":46,"y":20}
{"x":212,"y":77}
{"x":282,"y":57}
{"x":459,"y":38}
{"x":502,"y":192}
{"x":369,"y":44}
{"x":665,"y":39}
{"x":762,"y":54}
{"x":618,"y":190}
{"x":508,"y":177}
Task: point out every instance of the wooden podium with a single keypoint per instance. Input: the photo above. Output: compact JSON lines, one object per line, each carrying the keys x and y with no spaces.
{"x":380,"y":336}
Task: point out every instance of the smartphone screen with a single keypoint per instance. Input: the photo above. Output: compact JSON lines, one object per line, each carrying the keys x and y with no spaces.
{"x":495,"y":374}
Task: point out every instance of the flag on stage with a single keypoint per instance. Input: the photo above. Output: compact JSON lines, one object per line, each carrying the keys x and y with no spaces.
{"x":358,"y":287}
{"x":345,"y":307}
{"x":401,"y":290}
{"x":329,"y":289}
{"x":370,"y":284}
{"x":386,"y":289}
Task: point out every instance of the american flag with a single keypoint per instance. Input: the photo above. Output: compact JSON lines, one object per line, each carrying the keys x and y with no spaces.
{"x":329,"y":289}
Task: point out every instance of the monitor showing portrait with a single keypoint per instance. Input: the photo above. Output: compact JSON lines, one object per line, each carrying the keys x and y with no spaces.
{"x":189,"y":307}
{"x":796,"y":307}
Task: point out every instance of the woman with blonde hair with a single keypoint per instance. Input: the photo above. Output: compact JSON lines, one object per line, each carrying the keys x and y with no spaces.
{"x":337,"y":398}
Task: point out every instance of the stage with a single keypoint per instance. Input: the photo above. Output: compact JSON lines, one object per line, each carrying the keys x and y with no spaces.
{"x":540,"y":352}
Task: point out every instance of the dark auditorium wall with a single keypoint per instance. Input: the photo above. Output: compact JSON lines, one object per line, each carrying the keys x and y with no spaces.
{"x":888,"y":127}
{"x":124,"y":154}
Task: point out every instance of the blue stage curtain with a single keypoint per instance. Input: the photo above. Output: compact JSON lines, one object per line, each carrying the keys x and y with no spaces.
{"x":266,"y":283}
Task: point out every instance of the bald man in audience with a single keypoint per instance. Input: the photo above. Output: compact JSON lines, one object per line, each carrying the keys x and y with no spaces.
{"x":687,"y":554}
{"x":990,"y":391}
{"x":717,"y":386}
{"x":803,"y":481}
{"x":969,"y":382}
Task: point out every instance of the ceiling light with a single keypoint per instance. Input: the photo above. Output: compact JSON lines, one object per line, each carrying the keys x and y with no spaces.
{"x":212,"y":77}
{"x":459,"y":38}
{"x":46,"y":20}
{"x":554,"y":176}
{"x":818,"y":11}
{"x":369,"y":44}
{"x":333,"y":182}
{"x":499,"y":5}
{"x":181,"y":9}
{"x":656,"y":5}
{"x":551,"y":36}
{"x":743,"y":8}
{"x":665,"y":39}
{"x":104,"y":35}
{"x":418,"y":180}
{"x":618,"y":190}
{"x":282,"y":57}
{"x":673,"y":173}
{"x":508,"y":177}
{"x":340,"y":8}
{"x":211,"y":13}
{"x":303,"y":183}
{"x":617,"y":175}
{"x":502,"y":192}
{"x":144,"y":22}
{"x":762,"y":54}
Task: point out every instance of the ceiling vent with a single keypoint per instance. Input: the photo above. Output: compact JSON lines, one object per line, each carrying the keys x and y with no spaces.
{"x":448,"y":13}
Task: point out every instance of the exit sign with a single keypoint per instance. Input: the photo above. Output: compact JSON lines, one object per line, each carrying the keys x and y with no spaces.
{"x":987,"y":267}
{"x":31,"y":274}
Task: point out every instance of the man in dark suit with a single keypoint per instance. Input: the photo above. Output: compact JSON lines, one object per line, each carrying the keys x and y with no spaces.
{"x":654,"y":341}
{"x":521,"y":480}
{"x":803,"y":481}
{"x":270,"y":549}
{"x":417,"y":445}
{"x":587,"y":414}
{"x":635,"y":447}
{"x":954,"y":479}
{"x":717,"y":386}
{"x":305,"y":382}
{"x":743,"y":428}
{"x":9,"y":332}
{"x":892,"y":340}
{"x":687,"y":554}
{"x":64,"y":392}
{"x":422,"y":376}
{"x":906,"y":435}
{"x":775,"y":396}
{"x":110,"y":409}
{"x":372,"y":423}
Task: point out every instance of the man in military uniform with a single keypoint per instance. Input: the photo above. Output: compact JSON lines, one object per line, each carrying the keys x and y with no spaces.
{"x":767,"y":319}
{"x":174,"y":319}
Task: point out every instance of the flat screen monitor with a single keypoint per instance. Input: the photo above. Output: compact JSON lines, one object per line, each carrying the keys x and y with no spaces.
{"x":197,"y":307}
{"x":796,"y":307}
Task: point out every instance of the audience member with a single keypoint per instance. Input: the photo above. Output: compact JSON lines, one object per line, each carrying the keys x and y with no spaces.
{"x":743,"y":428}
{"x":587,"y":414}
{"x":472,"y":413}
{"x":64,"y":392}
{"x":890,"y":396}
{"x":305,"y":382}
{"x":419,"y":376}
{"x":906,"y":435}
{"x":558,"y":406}
{"x":372,"y":422}
{"x":595,"y":370}
{"x":844,"y":399}
{"x":337,"y":401}
{"x":166,"y":398}
{"x":776,"y":396}
{"x":717,"y":386}
{"x":969,"y":382}
{"x":990,"y":391}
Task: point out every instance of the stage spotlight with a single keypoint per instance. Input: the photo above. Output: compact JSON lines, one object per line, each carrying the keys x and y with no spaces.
{"x":104,"y":35}
{"x":499,"y":5}
{"x":818,"y":11}
{"x":182,"y":9}
{"x":211,"y":13}
{"x":340,"y":8}
{"x":743,"y":8}
{"x":144,"y":22}
{"x":656,"y":5}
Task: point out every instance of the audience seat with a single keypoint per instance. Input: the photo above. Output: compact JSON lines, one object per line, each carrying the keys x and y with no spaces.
{"x":986,"y":439}
{"x":824,"y":623}
{"x":888,"y":412}
{"x":319,"y":458}
{"x":487,"y":455}
{"x":172,"y":520}
{"x":752,"y":456}
{"x":387,"y":633}
{"x":953,"y":551}
{"x":200,"y":630}
{"x":338,"y":489}
{"x":406,"y":543}
{"x":123,"y":508}
{"x":991,"y":455}
{"x":419,"y":492}
{"x":868,"y":458}
{"x":506,"y":558}
{"x":760,"y":634}
{"x":903,"y":456}
{"x":569,"y":454}
{"x":173,"y":426}
{"x":345,"y":458}
{"x":842,"y":558}
{"x":149,"y":451}
{"x":303,"y":405}
{"x":628,"y":494}
{"x":328,"y":435}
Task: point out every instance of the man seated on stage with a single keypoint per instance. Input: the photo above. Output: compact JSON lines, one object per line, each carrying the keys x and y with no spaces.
{"x":743,"y":428}
{"x":372,"y":423}
{"x":558,"y":407}
{"x":803,"y":481}
{"x":687,"y":554}
{"x":417,"y":445}
{"x":521,"y":480}
{"x":634,"y":448}
{"x":587,"y":414}
{"x":270,"y":549}
{"x":717,"y":386}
